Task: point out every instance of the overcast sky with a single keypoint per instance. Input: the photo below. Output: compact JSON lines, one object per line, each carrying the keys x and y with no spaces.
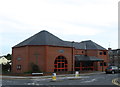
{"x":70,"y":20}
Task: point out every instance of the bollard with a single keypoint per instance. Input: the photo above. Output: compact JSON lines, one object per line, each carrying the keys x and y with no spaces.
{"x":76,"y":74}
{"x":54,"y":77}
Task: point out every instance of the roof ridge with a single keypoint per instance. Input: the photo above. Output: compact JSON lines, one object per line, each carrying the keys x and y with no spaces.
{"x":97,"y":45}
{"x":89,"y":44}
{"x":86,"y":40}
{"x":32,"y":37}
{"x":25,"y":41}
{"x":94,"y":44}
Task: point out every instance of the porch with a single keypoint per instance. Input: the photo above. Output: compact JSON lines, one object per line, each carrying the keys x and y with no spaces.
{"x":87,"y":63}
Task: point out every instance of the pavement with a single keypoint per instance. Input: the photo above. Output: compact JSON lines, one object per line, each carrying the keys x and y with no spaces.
{"x":48,"y":77}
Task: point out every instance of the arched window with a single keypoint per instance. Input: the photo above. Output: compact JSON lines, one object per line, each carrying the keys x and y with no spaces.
{"x":60,"y":64}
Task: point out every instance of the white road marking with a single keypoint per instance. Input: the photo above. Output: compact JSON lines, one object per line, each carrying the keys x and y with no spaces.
{"x":114,"y":81}
{"x":89,"y":81}
{"x":34,"y":84}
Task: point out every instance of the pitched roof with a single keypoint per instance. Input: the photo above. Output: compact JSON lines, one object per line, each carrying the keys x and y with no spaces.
{"x":92,"y":45}
{"x":87,"y":58}
{"x":46,"y":38}
{"x":79,"y":45}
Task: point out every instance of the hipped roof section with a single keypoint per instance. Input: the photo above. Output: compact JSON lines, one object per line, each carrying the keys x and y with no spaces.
{"x":46,"y":38}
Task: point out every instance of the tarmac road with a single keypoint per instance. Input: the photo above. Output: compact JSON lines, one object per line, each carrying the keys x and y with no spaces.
{"x":96,"y":79}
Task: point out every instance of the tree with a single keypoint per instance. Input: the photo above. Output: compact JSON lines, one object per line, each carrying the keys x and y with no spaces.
{"x":6,"y":68}
{"x":8,"y":56}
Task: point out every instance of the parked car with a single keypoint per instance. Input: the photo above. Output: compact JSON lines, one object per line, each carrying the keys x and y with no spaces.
{"x":112,"y":69}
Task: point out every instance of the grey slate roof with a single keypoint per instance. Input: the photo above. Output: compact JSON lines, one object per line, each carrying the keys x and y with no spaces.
{"x":86,"y":58}
{"x":46,"y":38}
{"x":79,"y":45}
{"x":92,"y":45}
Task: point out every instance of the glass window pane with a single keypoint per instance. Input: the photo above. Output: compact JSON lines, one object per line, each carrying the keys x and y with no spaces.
{"x":60,"y":64}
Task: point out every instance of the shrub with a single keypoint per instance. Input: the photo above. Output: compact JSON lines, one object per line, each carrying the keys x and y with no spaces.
{"x":35,"y":68}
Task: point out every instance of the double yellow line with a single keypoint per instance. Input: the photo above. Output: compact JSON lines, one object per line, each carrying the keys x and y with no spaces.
{"x":115,"y":81}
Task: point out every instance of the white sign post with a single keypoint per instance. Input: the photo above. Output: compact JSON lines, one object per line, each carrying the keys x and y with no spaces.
{"x":54,"y":77}
{"x":76,"y":74}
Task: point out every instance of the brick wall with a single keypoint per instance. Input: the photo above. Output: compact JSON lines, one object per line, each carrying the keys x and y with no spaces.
{"x":54,"y":52}
{"x":44,"y":57}
{"x":21,"y":54}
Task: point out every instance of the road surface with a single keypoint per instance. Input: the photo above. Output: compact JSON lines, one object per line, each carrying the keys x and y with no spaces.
{"x":98,"y":79}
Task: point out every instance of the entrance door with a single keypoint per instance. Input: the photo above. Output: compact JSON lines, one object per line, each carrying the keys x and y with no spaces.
{"x":60,"y":64}
{"x":87,"y":65}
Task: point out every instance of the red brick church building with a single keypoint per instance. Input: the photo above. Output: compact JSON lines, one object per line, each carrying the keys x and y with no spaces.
{"x":51,"y":54}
